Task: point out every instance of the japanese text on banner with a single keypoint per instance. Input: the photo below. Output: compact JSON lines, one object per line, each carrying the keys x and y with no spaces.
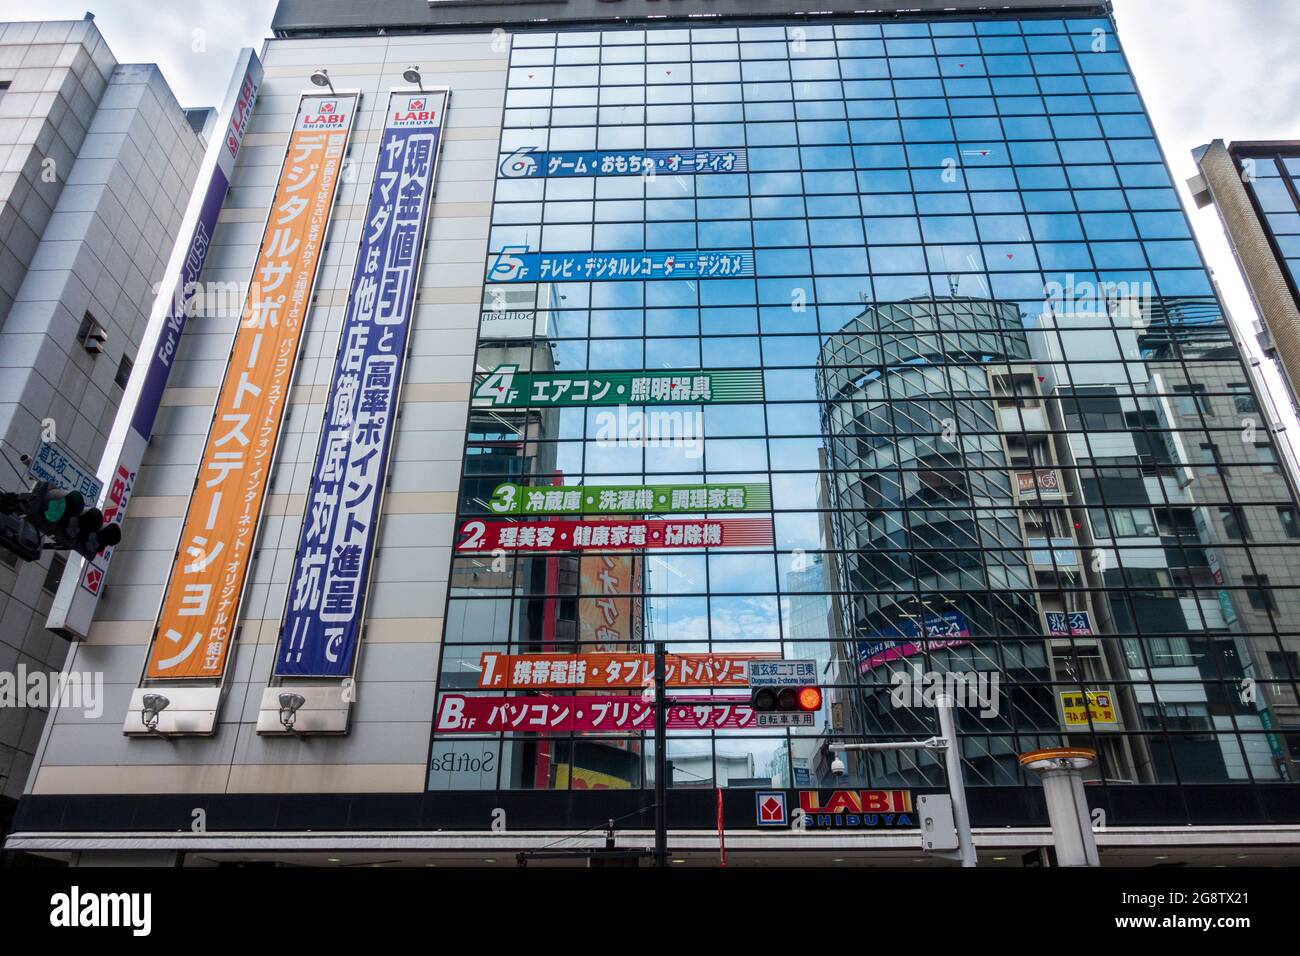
{"x":197,"y":620}
{"x":322,"y":619}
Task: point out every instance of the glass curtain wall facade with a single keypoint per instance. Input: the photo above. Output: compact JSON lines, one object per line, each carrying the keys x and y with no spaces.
{"x":1006,"y":429}
{"x":1272,"y":177}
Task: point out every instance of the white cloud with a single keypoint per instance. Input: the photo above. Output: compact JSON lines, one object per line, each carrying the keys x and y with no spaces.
{"x":164,"y":32}
{"x":1210,"y":69}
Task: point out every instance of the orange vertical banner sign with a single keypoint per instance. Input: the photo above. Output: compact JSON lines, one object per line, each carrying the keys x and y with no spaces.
{"x":197,"y":620}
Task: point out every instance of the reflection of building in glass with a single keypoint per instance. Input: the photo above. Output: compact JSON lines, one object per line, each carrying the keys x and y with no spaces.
{"x":1228,"y":497}
{"x":1152,"y":545}
{"x":925,"y":509}
{"x":580,"y":604}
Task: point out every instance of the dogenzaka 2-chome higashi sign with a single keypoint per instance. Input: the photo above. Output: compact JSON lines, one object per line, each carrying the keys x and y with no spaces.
{"x":322,"y":618}
{"x":507,"y":387}
{"x":197,"y":621}
{"x":512,"y":499}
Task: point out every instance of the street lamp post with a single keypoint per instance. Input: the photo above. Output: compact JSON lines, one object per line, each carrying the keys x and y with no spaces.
{"x":946,"y":742}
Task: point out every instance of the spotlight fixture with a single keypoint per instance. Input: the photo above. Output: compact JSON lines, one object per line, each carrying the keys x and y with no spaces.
{"x":289,"y":704}
{"x":154,"y":705}
{"x":412,"y":75}
{"x":321,"y":77}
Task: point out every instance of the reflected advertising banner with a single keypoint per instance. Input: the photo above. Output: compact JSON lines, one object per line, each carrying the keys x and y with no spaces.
{"x":653,"y":534}
{"x":1041,"y":480}
{"x":461,"y":713}
{"x":607,"y":609}
{"x":197,"y":621}
{"x":1079,"y":709}
{"x":507,"y":387}
{"x":949,"y":629}
{"x":83,"y":581}
{"x":569,"y":777}
{"x":500,"y":671}
{"x":323,"y":611}
{"x":512,"y":499}
{"x":1068,"y":624}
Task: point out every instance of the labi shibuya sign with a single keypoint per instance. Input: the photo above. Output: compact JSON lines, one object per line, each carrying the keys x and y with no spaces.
{"x":836,"y":809}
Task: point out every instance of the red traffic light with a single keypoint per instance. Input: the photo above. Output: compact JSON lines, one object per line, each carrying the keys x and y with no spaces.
{"x":787,"y":699}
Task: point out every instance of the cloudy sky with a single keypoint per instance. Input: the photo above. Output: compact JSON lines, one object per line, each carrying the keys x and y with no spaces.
{"x":1207,"y":69}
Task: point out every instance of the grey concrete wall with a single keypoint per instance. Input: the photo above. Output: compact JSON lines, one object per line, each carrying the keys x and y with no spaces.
{"x":93,"y":239}
{"x":56,"y":73}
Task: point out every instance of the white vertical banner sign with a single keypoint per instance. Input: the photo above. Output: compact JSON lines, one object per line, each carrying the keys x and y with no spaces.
{"x":83,"y":581}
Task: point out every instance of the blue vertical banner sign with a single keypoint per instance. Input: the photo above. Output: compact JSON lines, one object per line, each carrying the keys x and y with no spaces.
{"x":323,"y":610}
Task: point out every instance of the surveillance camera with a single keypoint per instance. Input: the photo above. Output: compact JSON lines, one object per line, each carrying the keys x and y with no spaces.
{"x":838,"y":768}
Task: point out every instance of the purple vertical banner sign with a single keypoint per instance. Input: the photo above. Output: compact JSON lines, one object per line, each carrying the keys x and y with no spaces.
{"x":82,"y":584}
{"x":324,"y":607}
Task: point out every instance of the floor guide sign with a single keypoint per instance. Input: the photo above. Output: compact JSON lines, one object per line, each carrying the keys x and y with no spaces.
{"x":322,"y":618}
{"x":197,"y":621}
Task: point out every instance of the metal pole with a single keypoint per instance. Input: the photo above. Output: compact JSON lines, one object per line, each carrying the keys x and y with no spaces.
{"x":722,"y":829}
{"x":956,"y":782}
{"x":661,"y":761}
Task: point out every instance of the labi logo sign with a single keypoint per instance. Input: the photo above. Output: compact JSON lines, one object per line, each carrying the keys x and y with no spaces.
{"x":325,"y":115}
{"x":76,"y":909}
{"x":419,"y":111}
{"x":869,"y":809}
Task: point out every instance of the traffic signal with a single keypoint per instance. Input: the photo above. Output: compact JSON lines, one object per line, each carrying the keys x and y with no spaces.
{"x":786,"y":699}
{"x":88,"y":535}
{"x":53,"y":510}
{"x":48,"y":516}
{"x":19,"y":537}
